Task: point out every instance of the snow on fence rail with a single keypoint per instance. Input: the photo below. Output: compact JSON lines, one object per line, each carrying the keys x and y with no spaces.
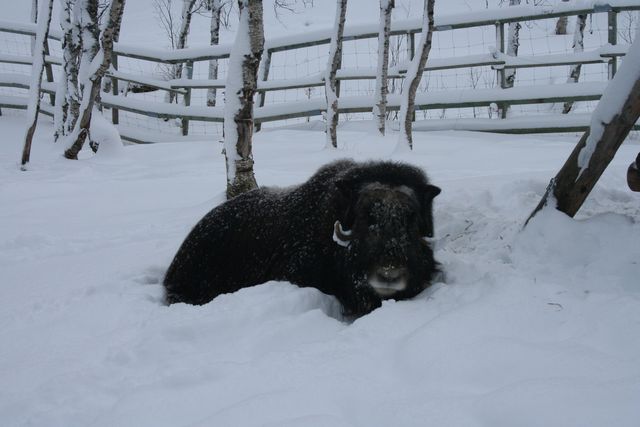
{"x":497,"y":59}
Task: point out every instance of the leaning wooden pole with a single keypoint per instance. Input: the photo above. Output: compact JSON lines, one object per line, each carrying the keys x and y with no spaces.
{"x":613,"y":118}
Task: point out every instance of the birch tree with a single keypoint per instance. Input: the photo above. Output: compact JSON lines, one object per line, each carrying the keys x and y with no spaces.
{"x":215,"y":7}
{"x":241,"y":85}
{"x":37,"y":68}
{"x":513,"y":43}
{"x":561,"y":24}
{"x":380,"y":94}
{"x":188,"y":9}
{"x":67,"y":96}
{"x":330,"y":81}
{"x":578,"y":46}
{"x":413,"y":76}
{"x":176,"y":30}
{"x":34,"y":19}
{"x":92,"y":70}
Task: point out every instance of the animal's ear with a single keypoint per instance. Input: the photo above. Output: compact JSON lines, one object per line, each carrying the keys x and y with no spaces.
{"x":431,"y":192}
{"x":427,"y":195}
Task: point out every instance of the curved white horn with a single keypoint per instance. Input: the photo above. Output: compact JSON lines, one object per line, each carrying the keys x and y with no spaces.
{"x":340,"y":236}
{"x":429,"y":240}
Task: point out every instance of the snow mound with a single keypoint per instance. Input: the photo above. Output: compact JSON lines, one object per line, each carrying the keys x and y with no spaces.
{"x":604,"y":246}
{"x":105,"y":133}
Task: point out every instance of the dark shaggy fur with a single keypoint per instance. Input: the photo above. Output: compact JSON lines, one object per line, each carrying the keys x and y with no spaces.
{"x":384,"y":209}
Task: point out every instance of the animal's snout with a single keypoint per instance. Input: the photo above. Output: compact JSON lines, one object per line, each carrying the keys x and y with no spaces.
{"x":387,"y":280}
{"x":390,"y":273}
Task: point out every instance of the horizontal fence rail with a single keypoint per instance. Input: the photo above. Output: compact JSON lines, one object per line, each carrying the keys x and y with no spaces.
{"x":496,"y":59}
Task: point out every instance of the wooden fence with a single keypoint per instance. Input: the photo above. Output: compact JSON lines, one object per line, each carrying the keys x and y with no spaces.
{"x":498,"y":60}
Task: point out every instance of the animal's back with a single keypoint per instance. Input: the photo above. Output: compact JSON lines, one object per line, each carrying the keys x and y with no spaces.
{"x":264,"y":234}
{"x":212,"y":259}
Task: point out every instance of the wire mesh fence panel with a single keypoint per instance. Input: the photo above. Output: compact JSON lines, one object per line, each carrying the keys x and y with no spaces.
{"x":462,"y":61}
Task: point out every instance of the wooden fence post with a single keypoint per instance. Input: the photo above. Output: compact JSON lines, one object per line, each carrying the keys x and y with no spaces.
{"x":412,"y":44}
{"x":265,"y":76}
{"x":49,"y":72}
{"x":612,"y":18}
{"x":412,"y":52}
{"x":187,"y":98}
{"x":115,"y":117}
{"x":501,"y":76}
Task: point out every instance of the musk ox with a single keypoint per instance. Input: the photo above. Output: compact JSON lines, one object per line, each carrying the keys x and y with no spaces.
{"x":358,"y":231}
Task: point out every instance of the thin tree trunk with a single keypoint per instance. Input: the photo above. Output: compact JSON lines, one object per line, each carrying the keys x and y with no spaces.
{"x":36,"y":78}
{"x":185,"y":23}
{"x":34,"y":19}
{"x":513,"y":43}
{"x":611,"y":121}
{"x":91,"y":84}
{"x":67,"y":97}
{"x":380,"y":95}
{"x":578,"y":46}
{"x":413,"y":76}
{"x":561,"y":24}
{"x":183,"y":34}
{"x":62,"y":106}
{"x":330,"y":81}
{"x":240,"y":89}
{"x":215,"y":6}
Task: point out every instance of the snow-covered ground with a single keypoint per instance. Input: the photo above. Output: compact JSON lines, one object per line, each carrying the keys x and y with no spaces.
{"x":538,"y":327}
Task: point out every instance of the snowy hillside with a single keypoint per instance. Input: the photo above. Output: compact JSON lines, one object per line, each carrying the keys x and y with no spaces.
{"x":531,"y":328}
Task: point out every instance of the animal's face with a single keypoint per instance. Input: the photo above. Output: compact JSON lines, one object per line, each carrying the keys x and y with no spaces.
{"x":384,"y":229}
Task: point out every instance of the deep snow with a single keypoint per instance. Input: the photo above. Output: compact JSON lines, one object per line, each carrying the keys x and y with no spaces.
{"x":532,"y":328}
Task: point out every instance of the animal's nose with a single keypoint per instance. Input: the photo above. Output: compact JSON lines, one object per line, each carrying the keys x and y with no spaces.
{"x":390,"y":273}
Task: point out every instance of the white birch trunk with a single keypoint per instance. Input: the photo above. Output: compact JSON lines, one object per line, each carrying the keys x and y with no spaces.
{"x":330,"y":81}
{"x":215,"y":6}
{"x":241,"y":85}
{"x":183,"y":34}
{"x":91,"y":72}
{"x":33,"y":107}
{"x":381,"y":90}
{"x":578,"y":46}
{"x":67,"y":96}
{"x":62,"y":107}
{"x":561,"y":24}
{"x":513,"y":43}
{"x":412,"y":78}
{"x":86,"y":15}
{"x":34,"y":19}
